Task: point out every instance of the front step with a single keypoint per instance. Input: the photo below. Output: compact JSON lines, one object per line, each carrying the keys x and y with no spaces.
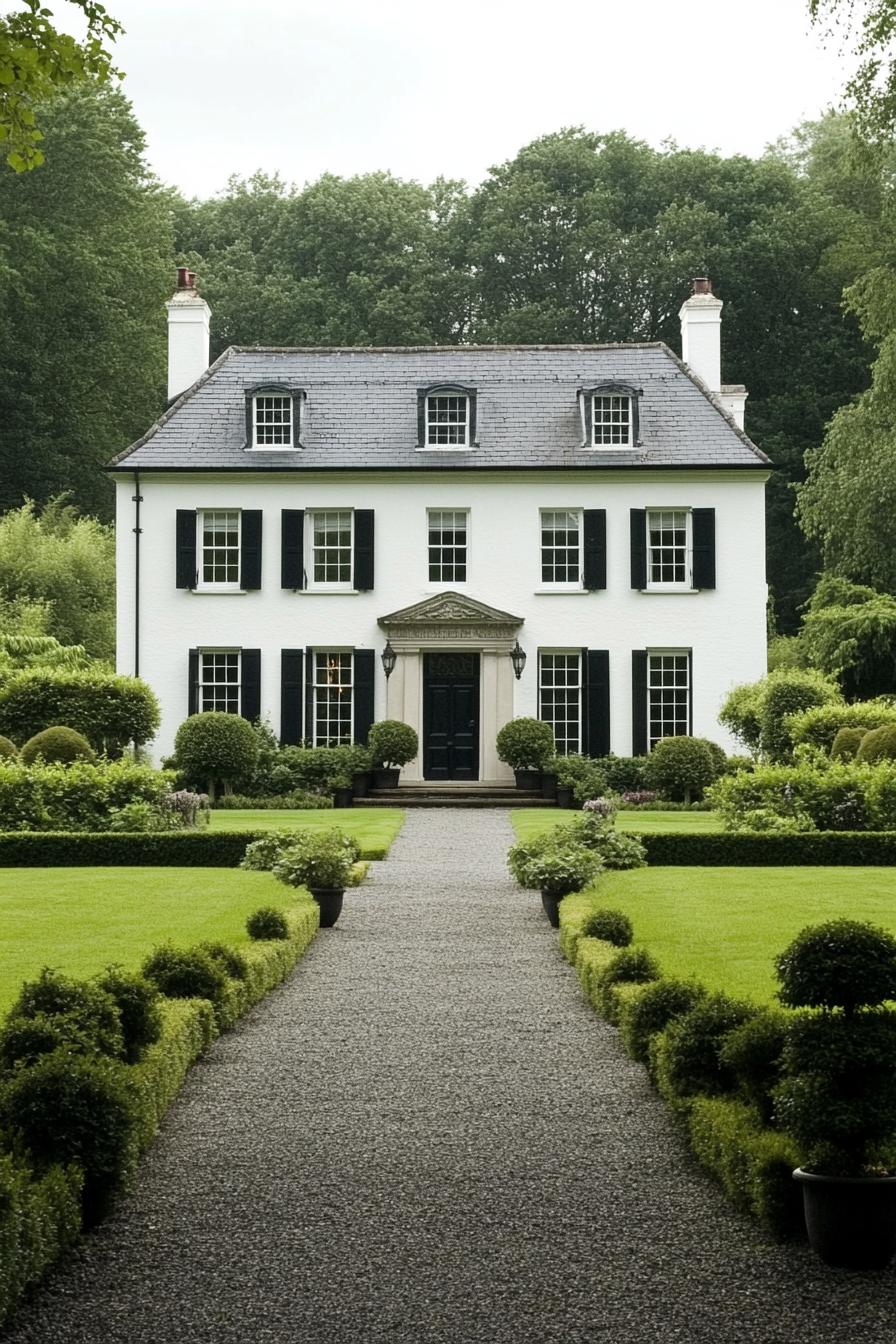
{"x":454,"y":795}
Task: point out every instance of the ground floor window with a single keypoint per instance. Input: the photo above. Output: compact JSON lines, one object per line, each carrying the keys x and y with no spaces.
{"x":560,"y":698}
{"x":332,"y":699}
{"x":668,"y":695}
{"x":219,"y":682}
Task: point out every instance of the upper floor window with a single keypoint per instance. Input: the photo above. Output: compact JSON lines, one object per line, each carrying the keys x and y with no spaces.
{"x":219,"y":531}
{"x":447,"y":534}
{"x":330,"y":545}
{"x":668,"y":547}
{"x":272,"y":418}
{"x":446,"y":417}
{"x":610,"y":416}
{"x":561,"y":546}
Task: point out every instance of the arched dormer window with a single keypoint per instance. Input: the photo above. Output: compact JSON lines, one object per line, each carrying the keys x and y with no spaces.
{"x":273,"y":418}
{"x":610,"y":416}
{"x":446,"y":416}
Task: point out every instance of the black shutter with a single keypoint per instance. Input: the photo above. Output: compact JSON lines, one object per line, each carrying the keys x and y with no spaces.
{"x":639,"y":547}
{"x":250,"y":549}
{"x":363,"y":690}
{"x":309,"y":696}
{"x":421,"y":417}
{"x":639,"y":702}
{"x":250,"y":684}
{"x":596,"y":707}
{"x":185,"y":557}
{"x":292,"y":694}
{"x":595,"y":566}
{"x":703,"y":522}
{"x":193,"y":682}
{"x":292,"y":558}
{"x":362,"y":568}
{"x":471,"y":407}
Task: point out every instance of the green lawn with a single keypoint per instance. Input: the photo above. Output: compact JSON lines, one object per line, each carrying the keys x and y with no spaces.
{"x":80,"y":919}
{"x":724,"y":926}
{"x":374,"y":827}
{"x":529,"y":821}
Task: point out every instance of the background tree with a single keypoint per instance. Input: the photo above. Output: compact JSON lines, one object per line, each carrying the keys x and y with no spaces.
{"x":870,"y":26}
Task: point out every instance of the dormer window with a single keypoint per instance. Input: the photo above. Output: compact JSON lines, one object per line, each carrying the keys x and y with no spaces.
{"x":446,"y":417}
{"x":272,"y":419}
{"x":610,"y":416}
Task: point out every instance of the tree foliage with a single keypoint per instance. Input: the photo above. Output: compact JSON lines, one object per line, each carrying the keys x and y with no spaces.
{"x":870,"y":27}
{"x":849,"y":633}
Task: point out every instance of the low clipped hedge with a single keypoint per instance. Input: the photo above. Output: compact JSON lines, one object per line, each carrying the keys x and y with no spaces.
{"x":42,"y":1211}
{"x":744,"y":849}
{"x":752,"y":1162}
{"x":141,"y":849}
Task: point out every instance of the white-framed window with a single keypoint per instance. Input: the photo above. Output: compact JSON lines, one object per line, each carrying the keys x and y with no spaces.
{"x":332,"y":698}
{"x":668,"y":548}
{"x":560,"y":698}
{"x":272,"y":416}
{"x":329,"y":548}
{"x":668,"y":694}
{"x":447,"y":420}
{"x":611,"y":420}
{"x":219,"y":681}
{"x":447,"y":539}
{"x":561,"y":547}
{"x":219,"y":547}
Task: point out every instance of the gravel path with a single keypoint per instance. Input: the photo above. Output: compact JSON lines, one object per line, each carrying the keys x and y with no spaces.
{"x":427,"y":1136}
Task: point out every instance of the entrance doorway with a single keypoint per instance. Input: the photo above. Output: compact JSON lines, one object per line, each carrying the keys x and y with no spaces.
{"x":451,"y":715}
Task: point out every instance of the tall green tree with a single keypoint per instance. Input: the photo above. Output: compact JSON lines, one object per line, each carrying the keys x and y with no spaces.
{"x":86,"y":261}
{"x":869,"y":27}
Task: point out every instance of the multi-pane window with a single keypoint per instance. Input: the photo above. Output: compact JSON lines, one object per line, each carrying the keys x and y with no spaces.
{"x":667,"y":543}
{"x":447,"y":545}
{"x":560,"y":698}
{"x":447,"y":420}
{"x":220,"y":529}
{"x":668,"y":695}
{"x":611,"y":420}
{"x":560,"y":546}
{"x":273,"y":421}
{"x":331,"y":546}
{"x":332,"y":699}
{"x":219,"y":682}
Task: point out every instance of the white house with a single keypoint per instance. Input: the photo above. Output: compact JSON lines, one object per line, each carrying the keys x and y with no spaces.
{"x":297,"y":512}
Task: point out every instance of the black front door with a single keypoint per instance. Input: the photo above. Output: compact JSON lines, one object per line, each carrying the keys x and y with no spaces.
{"x":451,"y":715}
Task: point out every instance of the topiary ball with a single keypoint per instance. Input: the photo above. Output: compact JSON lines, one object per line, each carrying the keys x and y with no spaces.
{"x":91,"y":1011}
{"x":138,"y":1003}
{"x":847,"y":742}
{"x":610,"y":925}
{"x":267,"y":923}
{"x":186,"y":973}
{"x":879,"y":744}
{"x":8,"y":750}
{"x":231,"y":961}
{"x":841,"y":964}
{"x":57,"y":744}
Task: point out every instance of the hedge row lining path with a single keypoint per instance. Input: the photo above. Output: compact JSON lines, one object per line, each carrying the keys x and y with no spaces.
{"x":426,"y":1135}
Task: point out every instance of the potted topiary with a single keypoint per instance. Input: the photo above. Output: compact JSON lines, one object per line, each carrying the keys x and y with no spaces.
{"x":343,"y":791}
{"x":526,"y":745}
{"x":362,"y":771}
{"x":838,"y":1096}
{"x":320,"y":861}
{"x":555,"y":870}
{"x":392,"y":744}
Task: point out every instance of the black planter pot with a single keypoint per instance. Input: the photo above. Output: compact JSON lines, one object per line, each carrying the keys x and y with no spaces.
{"x":550,"y":902}
{"x":343,"y":797}
{"x":528,"y":779}
{"x":564,"y":795}
{"x":330,"y":901}
{"x":385,"y":777}
{"x":851,"y":1220}
{"x":549,"y":786}
{"x":361,"y":783}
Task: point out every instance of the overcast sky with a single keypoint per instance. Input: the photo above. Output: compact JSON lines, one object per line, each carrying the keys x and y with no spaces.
{"x":302,"y":87}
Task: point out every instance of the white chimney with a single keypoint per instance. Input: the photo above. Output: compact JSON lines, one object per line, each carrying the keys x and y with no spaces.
{"x":188,"y":334}
{"x":733,"y":397}
{"x":701,"y":322}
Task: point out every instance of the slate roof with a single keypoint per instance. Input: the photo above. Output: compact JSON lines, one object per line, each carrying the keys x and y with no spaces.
{"x":361,"y":411}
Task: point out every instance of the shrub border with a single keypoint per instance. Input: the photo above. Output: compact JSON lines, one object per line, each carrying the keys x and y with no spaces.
{"x":741,"y":849}
{"x":121,"y":849}
{"x":40,"y":1214}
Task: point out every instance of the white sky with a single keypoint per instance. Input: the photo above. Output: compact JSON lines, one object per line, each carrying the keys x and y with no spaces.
{"x":301,"y":87}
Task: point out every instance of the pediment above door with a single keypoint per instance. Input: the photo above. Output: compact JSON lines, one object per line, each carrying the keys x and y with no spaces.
{"x":451,"y":618}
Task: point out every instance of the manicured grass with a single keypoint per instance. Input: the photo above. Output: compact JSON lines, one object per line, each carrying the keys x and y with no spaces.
{"x":529,"y":821}
{"x":724,"y":926}
{"x":81,"y":919}
{"x":374,"y":827}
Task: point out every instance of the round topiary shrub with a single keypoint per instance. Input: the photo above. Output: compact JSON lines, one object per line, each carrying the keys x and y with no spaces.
{"x":8,"y":750}
{"x":842,"y":964}
{"x":392,"y":743}
{"x":138,"y":1002}
{"x":754,"y":1053}
{"x":846,"y":744}
{"x":267,"y":922}
{"x":24,"y":1040}
{"x":878,"y":744}
{"x":216,"y":749}
{"x":230,"y":959}
{"x":690,"y":1060}
{"x":717,"y":755}
{"x":680,"y":767}
{"x":93,"y":1013}
{"x":610,"y":925}
{"x":185,"y":973}
{"x":652,"y":1011}
{"x":526,"y":744}
{"x":57,"y":744}
{"x":630,"y":965}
